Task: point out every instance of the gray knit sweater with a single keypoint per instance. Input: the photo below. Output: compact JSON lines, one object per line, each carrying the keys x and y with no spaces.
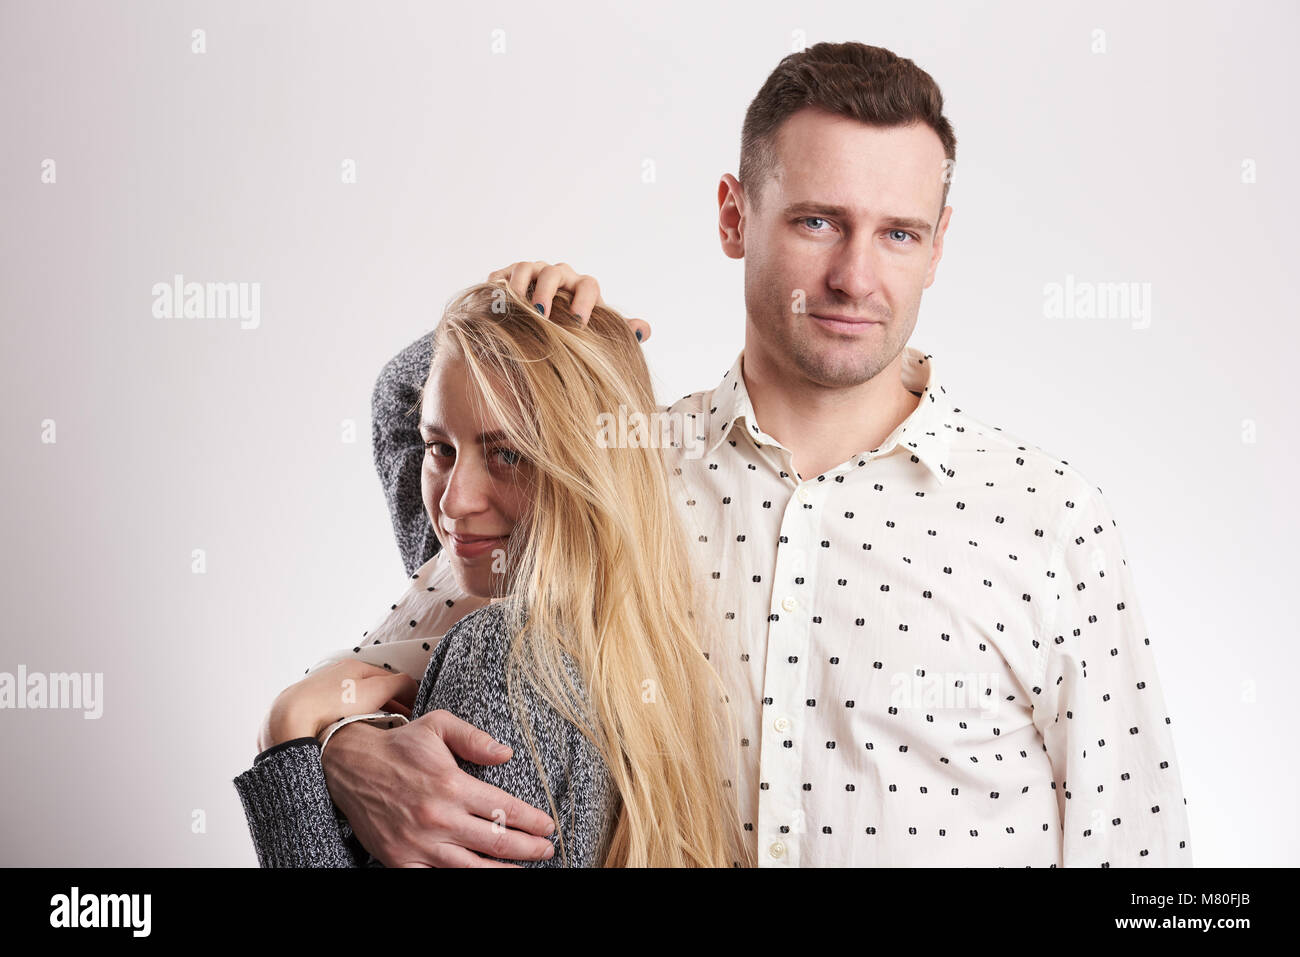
{"x":399,"y":450}
{"x":295,"y":824}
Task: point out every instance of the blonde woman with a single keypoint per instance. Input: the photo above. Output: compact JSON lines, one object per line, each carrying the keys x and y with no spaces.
{"x":589,"y":660}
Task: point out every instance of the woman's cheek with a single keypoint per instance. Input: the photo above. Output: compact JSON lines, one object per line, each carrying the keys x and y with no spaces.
{"x":431,"y":492}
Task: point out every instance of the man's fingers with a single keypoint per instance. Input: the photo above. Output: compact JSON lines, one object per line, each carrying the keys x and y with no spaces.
{"x":504,"y":809}
{"x":466,"y":741}
{"x":493,"y":838}
{"x":451,"y":855}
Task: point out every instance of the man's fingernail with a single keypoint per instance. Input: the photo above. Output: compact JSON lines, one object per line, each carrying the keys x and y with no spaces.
{"x":550,"y":852}
{"x":638,"y":335}
{"x":540,"y":308}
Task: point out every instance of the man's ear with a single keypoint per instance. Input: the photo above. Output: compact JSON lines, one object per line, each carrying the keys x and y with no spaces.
{"x":936,"y":252}
{"x":731,"y":214}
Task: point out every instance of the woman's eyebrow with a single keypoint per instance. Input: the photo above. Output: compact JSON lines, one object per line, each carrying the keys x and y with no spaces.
{"x":436,"y":428}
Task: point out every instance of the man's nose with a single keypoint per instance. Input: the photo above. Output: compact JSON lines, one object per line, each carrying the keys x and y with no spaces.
{"x":855,"y":272}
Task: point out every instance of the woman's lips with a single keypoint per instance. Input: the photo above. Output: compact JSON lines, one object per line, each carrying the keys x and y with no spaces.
{"x":467,"y":546}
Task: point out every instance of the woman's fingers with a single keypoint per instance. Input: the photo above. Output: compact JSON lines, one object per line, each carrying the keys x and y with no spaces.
{"x":375,"y":692}
{"x":547,"y":279}
{"x":641,"y":326}
{"x":405,"y":693}
{"x":519,"y":276}
{"x":586,"y":297}
{"x":397,"y":708}
{"x":552,"y":278}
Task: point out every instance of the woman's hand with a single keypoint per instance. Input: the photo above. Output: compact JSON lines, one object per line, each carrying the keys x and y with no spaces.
{"x":344,"y":688}
{"x":585,"y":289}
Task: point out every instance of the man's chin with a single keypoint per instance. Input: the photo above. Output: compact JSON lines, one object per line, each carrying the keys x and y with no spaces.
{"x":842,"y":364}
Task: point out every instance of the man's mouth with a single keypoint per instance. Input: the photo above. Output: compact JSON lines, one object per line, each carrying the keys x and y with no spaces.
{"x":854,"y":325}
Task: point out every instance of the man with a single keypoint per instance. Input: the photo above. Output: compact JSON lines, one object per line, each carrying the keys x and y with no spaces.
{"x":942,"y":660}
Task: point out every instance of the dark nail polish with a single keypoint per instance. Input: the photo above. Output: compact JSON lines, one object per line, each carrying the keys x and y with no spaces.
{"x":638,"y":335}
{"x":540,"y":308}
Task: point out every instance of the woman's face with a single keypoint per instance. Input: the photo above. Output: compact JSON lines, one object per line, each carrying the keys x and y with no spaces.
{"x":476,"y":488}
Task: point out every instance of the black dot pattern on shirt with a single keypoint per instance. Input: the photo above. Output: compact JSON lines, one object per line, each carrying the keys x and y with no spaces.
{"x":999,"y":573}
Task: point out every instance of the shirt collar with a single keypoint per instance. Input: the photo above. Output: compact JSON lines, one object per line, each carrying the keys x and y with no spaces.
{"x":927,"y":432}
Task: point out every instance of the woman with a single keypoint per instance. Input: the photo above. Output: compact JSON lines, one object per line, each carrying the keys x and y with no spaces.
{"x":589,"y":657}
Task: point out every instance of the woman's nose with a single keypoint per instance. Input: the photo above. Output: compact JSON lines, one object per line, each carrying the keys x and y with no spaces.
{"x":467,"y":489}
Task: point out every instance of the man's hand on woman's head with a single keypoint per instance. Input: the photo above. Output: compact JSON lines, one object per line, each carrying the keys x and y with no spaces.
{"x":410,"y":803}
{"x":550,"y":278}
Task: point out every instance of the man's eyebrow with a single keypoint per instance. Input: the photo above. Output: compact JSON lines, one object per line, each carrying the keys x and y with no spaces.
{"x":809,"y":208}
{"x":436,"y":428}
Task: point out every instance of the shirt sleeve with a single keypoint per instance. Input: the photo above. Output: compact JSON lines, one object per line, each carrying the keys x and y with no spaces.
{"x":399,"y":450}
{"x":1099,"y":708}
{"x":290,"y":816}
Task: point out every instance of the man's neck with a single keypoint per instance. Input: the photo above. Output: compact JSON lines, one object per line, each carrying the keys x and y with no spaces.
{"x":823,"y":427}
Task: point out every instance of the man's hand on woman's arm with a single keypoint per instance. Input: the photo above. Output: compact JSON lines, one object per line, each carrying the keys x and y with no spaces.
{"x":410,"y":804}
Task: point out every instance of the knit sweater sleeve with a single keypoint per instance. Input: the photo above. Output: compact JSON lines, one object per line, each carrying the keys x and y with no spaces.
{"x":467,"y":677}
{"x":292,"y":820}
{"x":294,"y":823}
{"x":399,"y":451}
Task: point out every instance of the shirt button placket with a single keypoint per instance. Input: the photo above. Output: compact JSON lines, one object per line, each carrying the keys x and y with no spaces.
{"x":786,"y":675}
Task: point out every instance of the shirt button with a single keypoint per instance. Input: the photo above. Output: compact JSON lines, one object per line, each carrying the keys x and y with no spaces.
{"x":781,"y":724}
{"x":802,"y":495}
{"x":777,"y":849}
{"x":789,"y":604}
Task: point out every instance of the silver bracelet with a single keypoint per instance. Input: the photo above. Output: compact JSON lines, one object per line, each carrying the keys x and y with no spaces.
{"x":374,"y":716}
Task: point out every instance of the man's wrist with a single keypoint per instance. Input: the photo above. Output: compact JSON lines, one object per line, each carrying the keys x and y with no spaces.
{"x":342,"y":740}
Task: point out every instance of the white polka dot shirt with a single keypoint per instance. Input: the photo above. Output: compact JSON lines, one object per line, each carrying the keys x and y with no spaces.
{"x":935,"y":648}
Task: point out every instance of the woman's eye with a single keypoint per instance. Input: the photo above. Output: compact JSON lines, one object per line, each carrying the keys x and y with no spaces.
{"x":509,"y":457}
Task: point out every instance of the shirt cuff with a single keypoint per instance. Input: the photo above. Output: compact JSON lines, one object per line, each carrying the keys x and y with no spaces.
{"x":282,"y":746}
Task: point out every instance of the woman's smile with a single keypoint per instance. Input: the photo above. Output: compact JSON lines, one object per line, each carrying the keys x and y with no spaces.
{"x":472,"y":546}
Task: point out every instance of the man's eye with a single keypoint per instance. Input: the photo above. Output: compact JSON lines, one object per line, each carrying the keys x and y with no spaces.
{"x":813,"y":219}
{"x":903,"y":233}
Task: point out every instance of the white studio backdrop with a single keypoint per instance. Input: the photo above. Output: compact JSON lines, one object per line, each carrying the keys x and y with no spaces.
{"x":190,"y":508}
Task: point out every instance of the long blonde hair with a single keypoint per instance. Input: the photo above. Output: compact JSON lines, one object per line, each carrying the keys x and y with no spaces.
{"x":604,"y":574}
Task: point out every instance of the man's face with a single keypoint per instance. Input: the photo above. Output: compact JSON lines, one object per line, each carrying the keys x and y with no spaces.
{"x":847,"y":225}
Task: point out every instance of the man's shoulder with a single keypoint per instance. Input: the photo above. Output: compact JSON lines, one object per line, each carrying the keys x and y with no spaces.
{"x":988,"y":457}
{"x":695,"y":403}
